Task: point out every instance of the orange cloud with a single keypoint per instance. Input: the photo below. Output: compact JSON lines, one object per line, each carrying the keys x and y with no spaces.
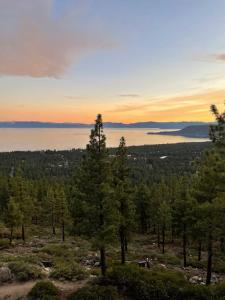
{"x":184,"y":107}
{"x":36,"y":43}
{"x":220,"y":56}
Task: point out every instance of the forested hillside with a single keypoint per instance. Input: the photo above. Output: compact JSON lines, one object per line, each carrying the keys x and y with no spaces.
{"x":141,"y":222}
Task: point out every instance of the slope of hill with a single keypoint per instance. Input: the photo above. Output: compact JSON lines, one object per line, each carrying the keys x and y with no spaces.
{"x":195,"y":131}
{"x":161,"y":125}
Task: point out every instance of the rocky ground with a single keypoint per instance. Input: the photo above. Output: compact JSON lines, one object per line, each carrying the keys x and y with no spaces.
{"x":72,"y":264}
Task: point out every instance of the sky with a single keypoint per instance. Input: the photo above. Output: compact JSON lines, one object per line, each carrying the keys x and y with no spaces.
{"x":145,"y":60}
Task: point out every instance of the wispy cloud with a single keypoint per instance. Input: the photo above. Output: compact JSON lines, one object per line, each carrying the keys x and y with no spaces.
{"x":36,"y":43}
{"x":74,"y":97}
{"x":220,"y":57}
{"x":189,"y":106}
{"x":129,"y":95}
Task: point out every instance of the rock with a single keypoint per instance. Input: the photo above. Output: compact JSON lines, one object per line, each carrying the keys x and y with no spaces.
{"x":5,"y":274}
{"x":214,"y":279}
{"x":196,"y":280}
{"x":163,"y":266}
{"x":61,"y":279}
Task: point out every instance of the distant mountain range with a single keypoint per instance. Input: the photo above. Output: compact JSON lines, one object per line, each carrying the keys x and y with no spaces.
{"x":160,"y":125}
{"x":193,"y":131}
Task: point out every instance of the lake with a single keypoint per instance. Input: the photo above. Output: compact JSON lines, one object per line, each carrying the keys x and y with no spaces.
{"x":22,"y":139}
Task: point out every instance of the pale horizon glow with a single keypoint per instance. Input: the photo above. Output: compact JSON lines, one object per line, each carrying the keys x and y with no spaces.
{"x":131,"y":61}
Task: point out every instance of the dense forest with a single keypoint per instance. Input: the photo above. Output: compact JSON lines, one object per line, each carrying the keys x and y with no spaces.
{"x":119,"y":202}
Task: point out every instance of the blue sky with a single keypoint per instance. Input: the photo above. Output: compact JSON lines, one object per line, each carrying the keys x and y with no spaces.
{"x":130,"y":60}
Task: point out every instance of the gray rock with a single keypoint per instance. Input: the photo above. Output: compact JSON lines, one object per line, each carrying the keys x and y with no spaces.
{"x":5,"y":274}
{"x":196,"y":280}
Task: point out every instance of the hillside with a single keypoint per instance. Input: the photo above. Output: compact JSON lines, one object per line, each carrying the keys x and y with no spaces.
{"x":161,"y":125}
{"x":194,"y":131}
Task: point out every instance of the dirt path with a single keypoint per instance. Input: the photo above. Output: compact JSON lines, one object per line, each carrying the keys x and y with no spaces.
{"x":14,"y":291}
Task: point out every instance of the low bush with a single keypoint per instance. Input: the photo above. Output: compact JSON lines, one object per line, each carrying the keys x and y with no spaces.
{"x":68,"y":271}
{"x":43,"y":290}
{"x":56,"y":250}
{"x":25,"y":271}
{"x":143,"y":284}
{"x":96,"y":293}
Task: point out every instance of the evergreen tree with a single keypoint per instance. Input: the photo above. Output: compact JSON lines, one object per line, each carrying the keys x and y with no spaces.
{"x":62,"y":209}
{"x":21,"y":194}
{"x":143,"y":207}
{"x":13,"y":216}
{"x":183,"y":215}
{"x":122,"y":192}
{"x":209,"y":186}
{"x":51,"y":203}
{"x":164,"y":219}
{"x":94,"y":196}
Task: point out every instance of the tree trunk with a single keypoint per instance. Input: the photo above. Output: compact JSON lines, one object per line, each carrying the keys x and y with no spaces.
{"x":23,"y":233}
{"x":53,"y":223}
{"x":53,"y":230}
{"x":163,"y":239}
{"x":199,"y":250}
{"x":126,"y":243}
{"x":158,"y":236}
{"x":172,"y":234}
{"x":11,"y":235}
{"x":103,"y":261}
{"x":122,"y":245}
{"x":222,"y":244}
{"x":63,"y":231}
{"x":209,"y":260}
{"x":184,"y":245}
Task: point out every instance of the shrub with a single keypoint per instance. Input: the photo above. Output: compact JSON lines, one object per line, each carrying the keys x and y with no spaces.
{"x":95,"y":293}
{"x":43,"y":290}
{"x":218,"y":291}
{"x":68,"y":271}
{"x":57,"y":250}
{"x":137,"y":283}
{"x":196,"y":292}
{"x":25,"y":271}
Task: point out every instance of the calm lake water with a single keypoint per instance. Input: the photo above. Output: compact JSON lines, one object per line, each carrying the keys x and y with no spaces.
{"x":60,"y":139}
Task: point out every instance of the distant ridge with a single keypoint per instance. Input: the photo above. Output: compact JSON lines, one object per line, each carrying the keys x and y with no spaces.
{"x":160,"y":125}
{"x":193,"y":131}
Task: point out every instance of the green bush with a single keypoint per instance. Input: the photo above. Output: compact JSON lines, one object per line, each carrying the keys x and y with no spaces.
{"x":43,"y":290}
{"x":25,"y":271}
{"x":95,"y":293}
{"x":196,"y":292}
{"x":57,"y":250}
{"x":68,"y":271}
{"x":138,"y":283}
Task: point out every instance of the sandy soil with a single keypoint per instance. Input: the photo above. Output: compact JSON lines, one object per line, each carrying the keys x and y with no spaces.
{"x":15,"y":291}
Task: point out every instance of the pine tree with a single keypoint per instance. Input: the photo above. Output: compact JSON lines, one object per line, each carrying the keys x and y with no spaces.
{"x":122,"y":192}
{"x":61,"y":209}
{"x":183,"y":214}
{"x":20,"y":192}
{"x":164,"y":220}
{"x":94,"y":194}
{"x":51,"y":203}
{"x":209,"y":186}
{"x":13,"y":216}
{"x":217,"y":131}
{"x":142,"y":200}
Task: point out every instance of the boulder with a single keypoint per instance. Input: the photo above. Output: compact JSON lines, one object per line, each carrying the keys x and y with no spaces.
{"x":5,"y":274}
{"x":196,"y":280}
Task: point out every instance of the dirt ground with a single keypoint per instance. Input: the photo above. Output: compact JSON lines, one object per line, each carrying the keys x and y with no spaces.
{"x":16,"y":291}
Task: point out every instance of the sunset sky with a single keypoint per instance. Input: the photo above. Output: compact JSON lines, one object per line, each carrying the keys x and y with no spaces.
{"x":131,"y":60}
